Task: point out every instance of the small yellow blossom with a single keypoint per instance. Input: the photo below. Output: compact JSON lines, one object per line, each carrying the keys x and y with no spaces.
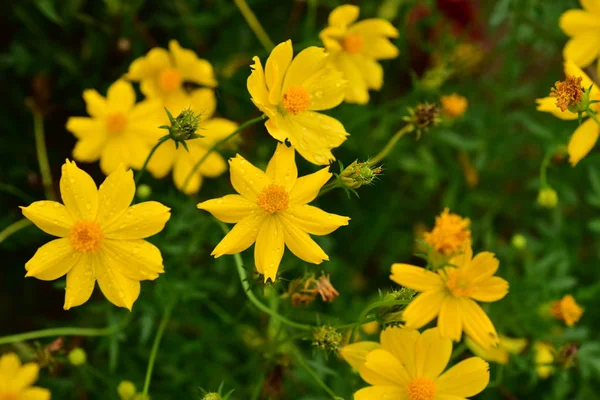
{"x":450,"y":234}
{"x":101,"y":237}
{"x":355,"y":48}
{"x":410,"y":365}
{"x":126,"y":390}
{"x":454,"y":105}
{"x":566,"y":310}
{"x":544,"y":359}
{"x":583,"y":28}
{"x":271,"y":210}
{"x":118,"y":130}
{"x":547,"y":198}
{"x":451,"y":295}
{"x":290,"y":90}
{"x":16,"y":380}
{"x":77,"y":356}
{"x":499,"y":354}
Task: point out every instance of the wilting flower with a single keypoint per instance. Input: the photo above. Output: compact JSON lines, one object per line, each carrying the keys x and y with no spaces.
{"x":583,"y":26}
{"x":566,"y":310}
{"x":454,"y":105}
{"x":451,"y":295}
{"x":16,"y":380}
{"x":355,"y":49}
{"x":422,"y":117}
{"x":100,"y":237}
{"x":271,"y":210}
{"x":568,"y":93}
{"x":118,"y":130}
{"x":305,"y":290}
{"x":450,"y":235}
{"x":544,"y":359}
{"x":290,"y":92}
{"x":501,"y":353}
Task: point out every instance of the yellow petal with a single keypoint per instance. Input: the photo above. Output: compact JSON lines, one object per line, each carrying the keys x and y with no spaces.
{"x":401,"y":343}
{"x":372,"y":71}
{"x":138,"y":221}
{"x":450,"y":319}
{"x":134,"y":259}
{"x":52,"y":260}
{"x":84,"y":127}
{"x":26,"y":376}
{"x":89,"y":149}
{"x":571,"y":68}
{"x":548,"y":104}
{"x":477,"y":324}
{"x":203,"y":102}
{"x":116,"y":287}
{"x":231,"y":208}
{"x":326,"y":87}
{"x":583,"y":141}
{"x":50,"y":216}
{"x":579,"y":22}
{"x":213,"y":165}
{"x":491,"y":289}
{"x":163,"y":160}
{"x":582,"y":49}
{"x":432,"y":353}
{"x":466,"y":379}
{"x":307,"y":63}
{"x":379,"y":48}
{"x":246,"y":179}
{"x":79,"y":192}
{"x":591,"y":5}
{"x":423,"y":309}
{"x":257,"y":84}
{"x":216,"y":129}
{"x":374,"y":27}
{"x":242,"y":235}
{"x":191,"y":67}
{"x":544,"y":359}
{"x":300,"y":243}
{"x":35,"y":393}
{"x":9,"y":365}
{"x":115,"y":194}
{"x":145,"y":68}
{"x":330,"y":37}
{"x":513,"y":345}
{"x":307,"y":187}
{"x":282,"y":167}
{"x":343,"y":15}
{"x":130,"y":150}
{"x":96,"y":105}
{"x":355,"y":354}
{"x":463,"y":258}
{"x":269,"y":246}
{"x":184,"y":165}
{"x":314,"y":220}
{"x":356,"y":88}
{"x":415,"y":278}
{"x":275,"y":69}
{"x":381,"y":392}
{"x":81,"y":280}
{"x":493,"y":354}
{"x":120,"y":97}
{"x":382,"y":368}
{"x":483,"y":266}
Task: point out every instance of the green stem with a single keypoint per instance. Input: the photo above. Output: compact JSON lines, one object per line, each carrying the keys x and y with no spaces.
{"x":313,"y":374}
{"x":13,"y":228}
{"x":156,"y":345}
{"x":255,"y":25}
{"x":156,"y":146}
{"x":458,"y":350}
{"x":217,"y":144}
{"x":328,"y":188}
{"x":390,"y":145}
{"x":42,"y":155}
{"x":544,"y":167}
{"x":499,"y":377}
{"x":4,"y":187}
{"x":593,"y":115}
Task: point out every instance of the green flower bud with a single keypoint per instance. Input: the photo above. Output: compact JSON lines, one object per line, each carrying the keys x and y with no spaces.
{"x":212,"y":396}
{"x":143,"y":191}
{"x":182,"y":128}
{"x":358,"y":174}
{"x":547,"y":198}
{"x":126,"y":390}
{"x":327,"y":338}
{"x":519,"y":241}
{"x":77,"y":356}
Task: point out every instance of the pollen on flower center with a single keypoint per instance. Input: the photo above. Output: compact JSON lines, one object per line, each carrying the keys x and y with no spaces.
{"x":86,"y":236}
{"x":273,"y":198}
{"x":115,"y":123}
{"x":296,"y":99}
{"x":458,"y":284}
{"x":421,"y":388}
{"x":352,"y":43}
{"x":169,"y":79}
{"x":568,"y":92}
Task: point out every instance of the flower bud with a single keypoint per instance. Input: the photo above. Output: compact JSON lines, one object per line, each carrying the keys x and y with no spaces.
{"x":422,"y":117}
{"x":126,"y":390}
{"x":547,"y":198}
{"x":143,"y":191}
{"x":519,"y":241}
{"x":183,"y":128}
{"x":327,"y":338}
{"x":358,"y":174}
{"x":212,"y":396}
{"x":77,"y":356}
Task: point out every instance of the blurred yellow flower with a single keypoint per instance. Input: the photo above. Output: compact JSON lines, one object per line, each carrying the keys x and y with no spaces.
{"x":586,"y":135}
{"x":499,"y":354}
{"x":271,"y":210}
{"x":126,"y":390}
{"x":544,"y":359}
{"x":16,"y":380}
{"x":583,"y":28}
{"x":410,"y":366}
{"x":290,"y":92}
{"x":566,"y":310}
{"x":355,"y":49}
{"x":355,"y":354}
{"x":100,"y":237}
{"x":370,"y":328}
{"x":450,"y":296}
{"x":454,"y":105}
{"x":450,"y":234}
{"x":118,"y":130}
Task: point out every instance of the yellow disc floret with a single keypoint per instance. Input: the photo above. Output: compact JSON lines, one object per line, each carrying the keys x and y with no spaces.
{"x":352,"y":43}
{"x":86,"y":236}
{"x":421,"y":388}
{"x":169,"y":79}
{"x":296,"y":99}
{"x":457,"y":283}
{"x":274,"y":198}
{"x":450,"y":233}
{"x":116,"y":122}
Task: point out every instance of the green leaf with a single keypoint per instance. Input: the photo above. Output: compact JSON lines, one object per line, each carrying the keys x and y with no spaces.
{"x":47,"y":8}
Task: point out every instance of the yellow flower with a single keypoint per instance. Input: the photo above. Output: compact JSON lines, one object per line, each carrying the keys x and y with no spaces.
{"x":586,"y":135}
{"x":499,"y":354}
{"x":450,"y":234}
{"x":583,"y":27}
{"x":355,"y":354}
{"x":16,"y":380}
{"x":290,"y":92}
{"x":118,"y":130}
{"x":454,"y":105}
{"x":370,"y":328}
{"x":450,"y":295}
{"x":271,"y":210}
{"x":544,"y":359}
{"x":182,"y":162}
{"x":355,"y":49}
{"x":410,"y":366}
{"x":567,"y":310}
{"x":100,"y":237}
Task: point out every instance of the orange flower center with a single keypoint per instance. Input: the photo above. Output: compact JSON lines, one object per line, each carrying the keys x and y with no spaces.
{"x":457,"y":283}
{"x":296,"y":99}
{"x":115,"y":123}
{"x":9,"y":396}
{"x":274,"y":198}
{"x":86,"y":236}
{"x":169,"y":80}
{"x":352,"y":43}
{"x":421,"y":388}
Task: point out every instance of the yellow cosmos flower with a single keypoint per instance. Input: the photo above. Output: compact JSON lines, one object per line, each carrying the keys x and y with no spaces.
{"x":16,"y":380}
{"x":118,"y":130}
{"x":566,"y":310}
{"x":290,"y":92}
{"x":100,"y":237}
{"x":586,"y":135}
{"x":450,"y":296}
{"x":450,"y":234}
{"x":544,"y":359}
{"x":167,"y":157}
{"x":583,"y":27}
{"x":499,"y":354}
{"x":454,"y":105}
{"x":271,"y":210}
{"x":410,"y":366}
{"x":355,"y":49}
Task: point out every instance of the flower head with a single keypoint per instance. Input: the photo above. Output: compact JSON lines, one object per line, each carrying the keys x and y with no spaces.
{"x":580,"y":26}
{"x":271,"y":210}
{"x":568,"y":93}
{"x":327,"y":338}
{"x":126,"y":390}
{"x":566,"y":310}
{"x":101,"y":237}
{"x":422,"y":117}
{"x":451,"y":295}
{"x":290,"y":90}
{"x":450,"y":234}
{"x":77,"y":356}
{"x":547,"y":198}
{"x":355,"y":48}
{"x":499,"y":354}
{"x":16,"y":380}
{"x":118,"y":130}
{"x":454,"y":105}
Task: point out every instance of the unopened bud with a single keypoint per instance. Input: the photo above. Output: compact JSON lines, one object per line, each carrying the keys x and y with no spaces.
{"x":358,"y":174}
{"x":519,"y":241}
{"x":77,"y":356}
{"x":327,"y":338}
{"x":212,"y":396}
{"x":126,"y":390}
{"x":143,"y":191}
{"x":547,"y":198}
{"x":183,"y":128}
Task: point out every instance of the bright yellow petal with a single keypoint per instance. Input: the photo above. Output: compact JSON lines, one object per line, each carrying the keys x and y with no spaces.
{"x":571,"y":68}
{"x":548,"y":104}
{"x":416,"y":278}
{"x":483,"y":266}
{"x":135,"y":259}
{"x":120,"y":97}
{"x":307,"y":63}
{"x":466,"y":379}
{"x":116,"y":287}
{"x":81,"y":280}
{"x":579,"y":22}
{"x":26,"y":376}
{"x":344,"y":15}
{"x":307,"y":187}
{"x":491,"y":289}
{"x":213,"y":165}
{"x":374,"y":26}
{"x":477,"y":324}
{"x":275,"y":69}
{"x":203,"y":102}
{"x":84,"y":127}
{"x":314,"y":220}
{"x":592,"y":6}
{"x":163,"y":159}
{"x":115,"y":194}
{"x":493,"y":354}
{"x":269,"y":247}
{"x":282,"y":167}
{"x":50,"y":216}
{"x":242,"y":235}
{"x":231,"y":208}
{"x":357,"y":88}
{"x":544,"y":359}
{"x":96,"y":105}
{"x":89,"y":149}
{"x":35,"y":393}
{"x":355,"y":354}
{"x":401,"y":343}
{"x":9,"y":365}
{"x":450,"y":319}
{"x":513,"y":345}
{"x":216,"y":129}
{"x":184,"y":165}
{"x":79,"y":192}
{"x":191,"y":67}
{"x":52,"y":260}
{"x":425,"y":307}
{"x":583,"y":141}
{"x":139,"y":221}
{"x":246,"y":179}
{"x":582,"y":49}
{"x":300,"y":243}
{"x":381,"y":392}
{"x":130,"y":150}
{"x":144,"y":68}
{"x":372,"y":71}
{"x":378,"y":47}
{"x":257,"y":84}
{"x":330,"y":37}
{"x":432,"y":353}
{"x":463,"y":258}
{"x":381,"y":368}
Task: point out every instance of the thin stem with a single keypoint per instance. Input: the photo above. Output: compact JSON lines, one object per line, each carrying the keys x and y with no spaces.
{"x":217,"y":144}
{"x":13,"y":228}
{"x":313,"y":374}
{"x":458,"y":351}
{"x":42,"y":155}
{"x":328,"y":188}
{"x":593,"y":115}
{"x":256,"y":27}
{"x":156,"y":146}
{"x":156,"y":345}
{"x":544,"y":167}
{"x":390,"y":145}
{"x":499,"y":377}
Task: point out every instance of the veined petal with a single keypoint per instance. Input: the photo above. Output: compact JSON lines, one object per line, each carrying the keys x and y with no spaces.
{"x":300,"y":243}
{"x":230,"y":209}
{"x":381,"y":368}
{"x":246,"y":179}
{"x":81,"y":280}
{"x":52,"y":260}
{"x":355,"y":354}
{"x":343,"y":15}
{"x":116,"y":287}
{"x":401,"y":343}
{"x":381,"y":393}
{"x":134,"y":259}
{"x":326,"y":87}
{"x":269,"y":247}
{"x":184,"y":165}
{"x":548,"y":104}
{"x":374,"y":26}
{"x":79,"y":192}
{"x":145,"y":68}
{"x":282,"y":167}
{"x":138,"y":221}
{"x":583,"y":141}
{"x":35,"y":393}
{"x":115,"y":194}
{"x":477,"y":324}
{"x":96,"y":105}
{"x":579,"y":22}
{"x":432,"y":353}
{"x":307,"y":187}
{"x":25,"y":376}
{"x":466,"y":379}
{"x":242,"y":235}
{"x":84,"y":127}
{"x":314,"y":220}
{"x":191,"y":67}
{"x":307,"y":63}
{"x":257,"y":84}
{"x":481,"y":267}
{"x":50,"y":216}
{"x":450,"y":319}
{"x":275,"y":69}
{"x":491,"y":289}
{"x":425,"y":307}
{"x":582,"y":49}
{"x":416,"y":278}
{"x":120,"y":97}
